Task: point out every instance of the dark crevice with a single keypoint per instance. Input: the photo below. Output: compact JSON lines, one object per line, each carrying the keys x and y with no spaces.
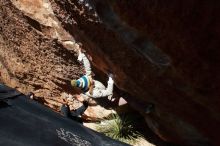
{"x":34,"y":23}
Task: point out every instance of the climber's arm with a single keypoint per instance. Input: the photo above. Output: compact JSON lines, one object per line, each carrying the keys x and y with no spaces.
{"x":98,"y":93}
{"x":82,"y":57}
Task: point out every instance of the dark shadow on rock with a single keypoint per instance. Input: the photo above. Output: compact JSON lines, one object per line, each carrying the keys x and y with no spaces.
{"x":140,"y":125}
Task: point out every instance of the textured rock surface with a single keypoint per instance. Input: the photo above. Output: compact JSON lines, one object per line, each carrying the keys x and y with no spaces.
{"x":36,"y":56}
{"x":165,"y":53}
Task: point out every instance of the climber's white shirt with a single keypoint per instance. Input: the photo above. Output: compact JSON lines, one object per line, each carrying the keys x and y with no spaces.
{"x":99,"y":90}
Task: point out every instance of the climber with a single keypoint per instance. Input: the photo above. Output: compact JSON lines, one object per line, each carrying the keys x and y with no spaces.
{"x":90,"y":87}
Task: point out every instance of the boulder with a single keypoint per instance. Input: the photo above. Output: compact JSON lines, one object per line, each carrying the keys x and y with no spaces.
{"x":161,"y":53}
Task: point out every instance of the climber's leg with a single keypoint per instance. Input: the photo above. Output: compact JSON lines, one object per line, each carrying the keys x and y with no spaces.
{"x":65,"y":110}
{"x":78,"y":112}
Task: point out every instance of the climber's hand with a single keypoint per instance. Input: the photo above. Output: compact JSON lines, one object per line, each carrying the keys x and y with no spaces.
{"x":79,"y":50}
{"x":110,"y":75}
{"x":110,"y":78}
{"x":80,"y":57}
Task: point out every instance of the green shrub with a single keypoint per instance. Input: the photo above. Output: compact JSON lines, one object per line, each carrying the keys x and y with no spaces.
{"x":119,"y":128}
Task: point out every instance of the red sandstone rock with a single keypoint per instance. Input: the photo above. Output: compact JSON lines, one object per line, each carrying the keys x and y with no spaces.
{"x":165,"y":53}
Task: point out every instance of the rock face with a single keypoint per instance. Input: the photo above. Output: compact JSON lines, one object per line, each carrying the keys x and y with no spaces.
{"x":164,"y":53}
{"x":31,"y":58}
{"x":38,"y":55}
